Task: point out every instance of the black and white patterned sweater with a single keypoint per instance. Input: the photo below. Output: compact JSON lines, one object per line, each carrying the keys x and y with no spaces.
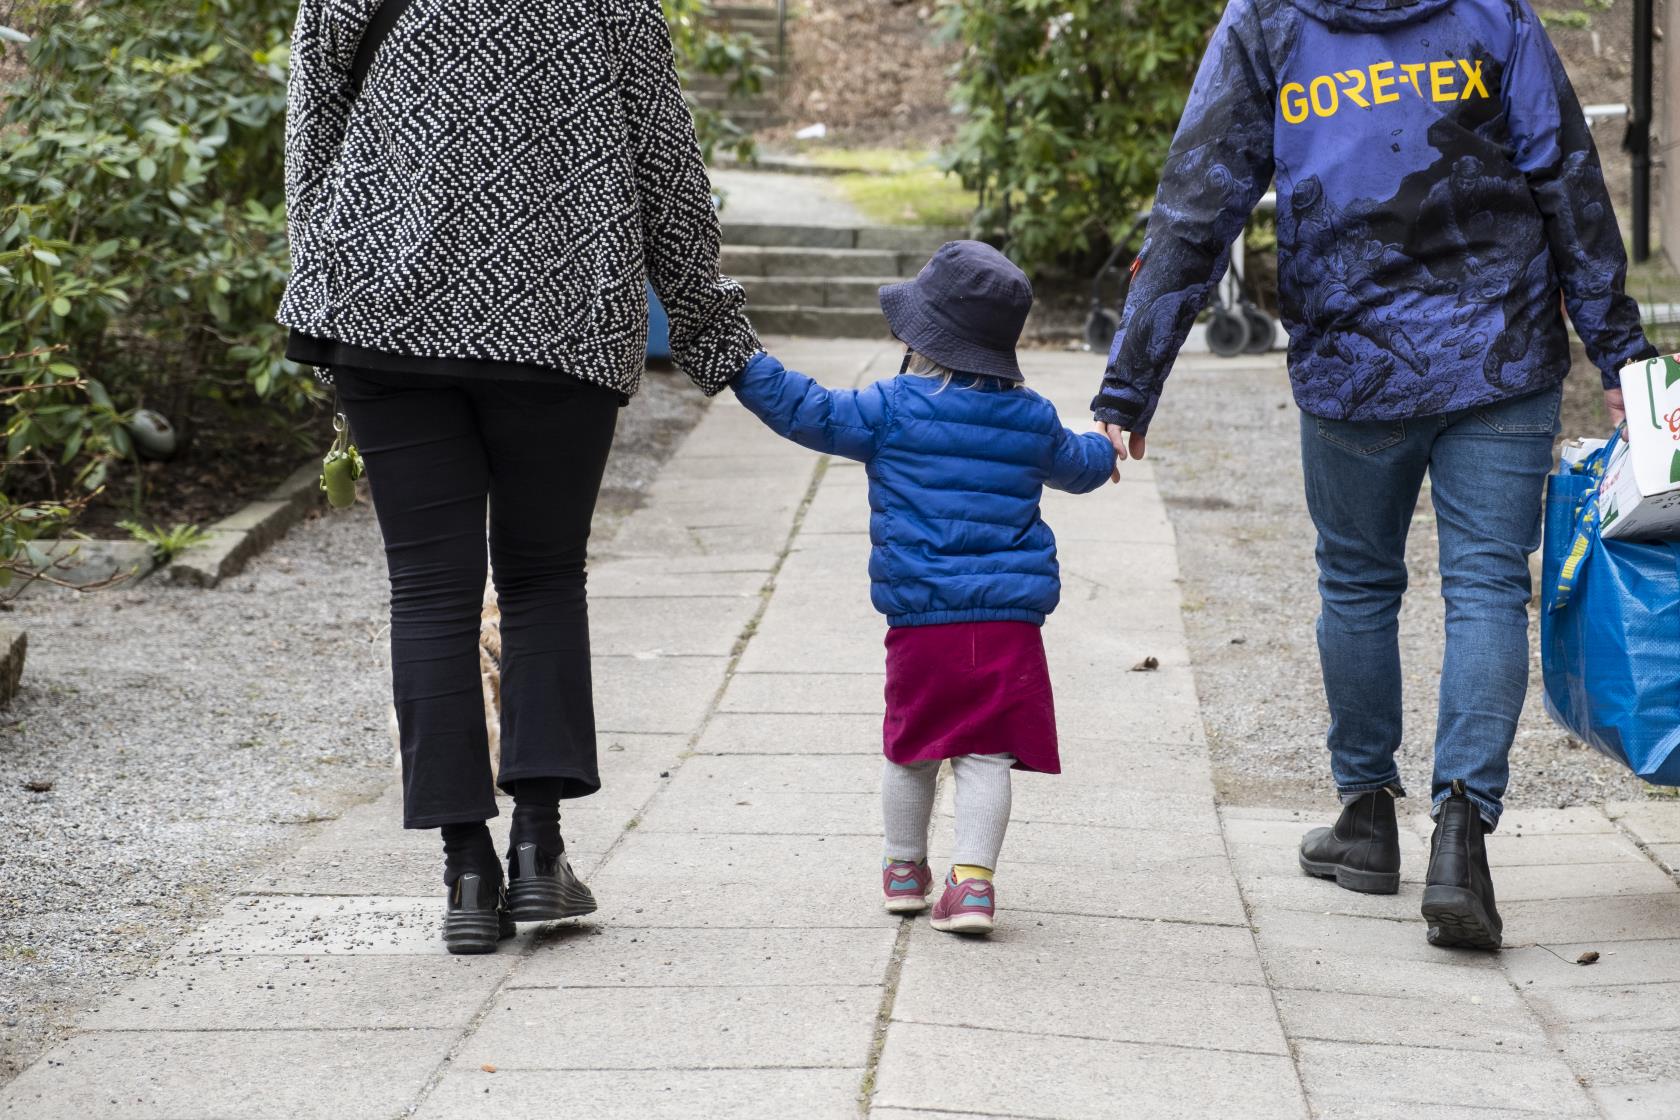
{"x":499,"y":188}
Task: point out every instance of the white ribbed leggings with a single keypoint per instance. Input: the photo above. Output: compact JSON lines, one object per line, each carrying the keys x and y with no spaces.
{"x":983,"y":795}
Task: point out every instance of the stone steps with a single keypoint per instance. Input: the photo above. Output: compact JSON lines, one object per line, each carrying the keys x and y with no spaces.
{"x":819,"y":322}
{"x":898,"y":239}
{"x":815,"y":292}
{"x":823,"y":281}
{"x":777,"y":260}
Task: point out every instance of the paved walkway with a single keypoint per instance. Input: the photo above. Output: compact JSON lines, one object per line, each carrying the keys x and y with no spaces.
{"x":1156,"y":958}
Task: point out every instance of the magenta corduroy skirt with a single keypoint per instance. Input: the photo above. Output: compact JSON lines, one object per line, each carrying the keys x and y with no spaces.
{"x":970,"y":688}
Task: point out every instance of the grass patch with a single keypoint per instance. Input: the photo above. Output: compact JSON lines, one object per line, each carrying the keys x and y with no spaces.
{"x":924,"y":197}
{"x":876,"y":160}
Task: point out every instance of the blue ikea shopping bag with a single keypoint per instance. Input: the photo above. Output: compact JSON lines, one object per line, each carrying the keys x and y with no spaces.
{"x":1610,"y":630}
{"x":659,"y":328}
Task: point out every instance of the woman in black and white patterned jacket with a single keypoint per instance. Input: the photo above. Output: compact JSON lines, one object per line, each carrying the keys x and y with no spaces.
{"x":477,"y":192}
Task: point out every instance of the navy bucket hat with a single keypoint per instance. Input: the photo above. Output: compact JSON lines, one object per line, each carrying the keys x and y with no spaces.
{"x":964,"y":310}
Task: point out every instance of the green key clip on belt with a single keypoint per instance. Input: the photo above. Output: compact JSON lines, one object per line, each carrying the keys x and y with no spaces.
{"x":342,"y":467}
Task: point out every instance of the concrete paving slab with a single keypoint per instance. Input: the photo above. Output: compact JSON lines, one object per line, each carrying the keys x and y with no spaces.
{"x":1633,"y":876}
{"x":171,"y":1075}
{"x":1031,"y":843}
{"x":693,"y":880}
{"x":1006,"y":1072}
{"x":1047,"y":799}
{"x":1031,"y":990}
{"x":667,"y":694}
{"x":839,"y":509}
{"x":718,"y":808}
{"x":1615,"y":1007}
{"x":1667,"y":856}
{"x":1619,"y":963}
{"x":668,"y":626}
{"x":1095,"y":765}
{"x":818,"y":693}
{"x":1616,"y":1057}
{"x":1337,"y":1073}
{"x":711,"y":858}
{"x":1364,"y":1107}
{"x":1624,"y":918}
{"x":1485,"y":1020}
{"x":412,"y":871}
{"x":294,"y":925}
{"x":738,"y":575}
{"x":1649,"y":1100}
{"x":698,"y":1028}
{"x":1539,"y":851}
{"x":1298,"y":891}
{"x":1378,"y":938}
{"x":1354,"y":969}
{"x":1653,"y":822}
{"x":642,"y":958}
{"x":680,"y":537}
{"x":1542,"y":822}
{"x":818,"y":641}
{"x":226,"y":993}
{"x":645,"y":902}
{"x":732,"y":733}
{"x":1192,"y":890}
{"x":1084,"y":713}
{"x":817,"y":774}
{"x":715,"y":1094}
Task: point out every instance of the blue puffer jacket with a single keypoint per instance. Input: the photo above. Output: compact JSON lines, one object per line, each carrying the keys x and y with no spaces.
{"x":1438,"y":190}
{"x":954,"y":482}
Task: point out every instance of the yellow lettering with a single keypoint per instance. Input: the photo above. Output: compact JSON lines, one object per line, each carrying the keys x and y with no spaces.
{"x":1413,"y":70}
{"x":1382,"y":83}
{"x":1472,"y":79}
{"x":1440,"y":81}
{"x":1353,"y":93}
{"x":1318,"y":103}
{"x":1292,"y":98}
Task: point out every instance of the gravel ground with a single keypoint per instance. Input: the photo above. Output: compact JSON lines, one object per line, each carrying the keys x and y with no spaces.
{"x":189,"y":736}
{"x":1227,"y":447}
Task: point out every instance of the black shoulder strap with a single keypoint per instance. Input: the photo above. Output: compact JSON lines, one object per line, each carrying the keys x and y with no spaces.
{"x":378,"y":28}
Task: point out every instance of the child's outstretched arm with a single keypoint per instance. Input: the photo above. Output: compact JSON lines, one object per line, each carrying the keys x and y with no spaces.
{"x":1083,"y":462}
{"x":844,"y":422}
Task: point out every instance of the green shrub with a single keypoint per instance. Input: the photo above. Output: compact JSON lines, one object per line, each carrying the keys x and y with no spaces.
{"x":142,"y":223}
{"x":702,"y":49}
{"x":1070,"y":107}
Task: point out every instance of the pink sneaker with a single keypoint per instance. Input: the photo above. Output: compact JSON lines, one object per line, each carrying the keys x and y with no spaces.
{"x":905,"y":885}
{"x":965,"y":907}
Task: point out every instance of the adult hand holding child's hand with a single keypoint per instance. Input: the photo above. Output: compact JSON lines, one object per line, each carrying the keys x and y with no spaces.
{"x":1122,"y":441}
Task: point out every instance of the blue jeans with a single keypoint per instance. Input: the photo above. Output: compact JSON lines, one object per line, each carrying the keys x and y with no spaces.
{"x":1487,"y":468}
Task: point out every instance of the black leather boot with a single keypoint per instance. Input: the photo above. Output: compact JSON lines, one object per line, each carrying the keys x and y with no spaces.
{"x":1458,"y":897}
{"x":543,"y":888}
{"x":477,"y":917}
{"x":1362,"y":850}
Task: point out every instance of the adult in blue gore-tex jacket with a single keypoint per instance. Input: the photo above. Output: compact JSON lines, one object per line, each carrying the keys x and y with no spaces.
{"x":1438,"y":190}
{"x":955,"y":476}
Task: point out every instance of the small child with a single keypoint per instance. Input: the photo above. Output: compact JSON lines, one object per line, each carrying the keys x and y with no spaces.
{"x":963,"y":565}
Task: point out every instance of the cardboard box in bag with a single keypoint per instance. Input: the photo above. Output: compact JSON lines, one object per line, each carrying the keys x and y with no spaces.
{"x":1639,"y":497}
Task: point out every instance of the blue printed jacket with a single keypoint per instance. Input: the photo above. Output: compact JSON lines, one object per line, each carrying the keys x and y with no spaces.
{"x":1438,"y":191}
{"x":955,"y":477}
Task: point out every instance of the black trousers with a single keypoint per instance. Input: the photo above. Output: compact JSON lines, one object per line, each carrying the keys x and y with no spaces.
{"x":437,"y":449}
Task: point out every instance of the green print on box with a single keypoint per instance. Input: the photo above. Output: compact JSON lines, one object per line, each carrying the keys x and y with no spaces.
{"x":1671,"y":374}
